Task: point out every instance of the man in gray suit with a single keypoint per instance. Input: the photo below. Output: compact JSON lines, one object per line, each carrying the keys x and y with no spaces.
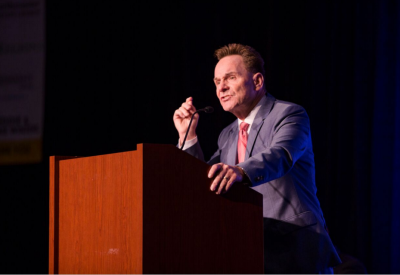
{"x":269,"y":149}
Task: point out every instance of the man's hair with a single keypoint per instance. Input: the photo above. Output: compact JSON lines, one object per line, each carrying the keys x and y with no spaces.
{"x":252,"y":59}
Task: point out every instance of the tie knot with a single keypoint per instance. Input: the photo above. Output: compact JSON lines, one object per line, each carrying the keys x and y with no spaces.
{"x":244,"y":126}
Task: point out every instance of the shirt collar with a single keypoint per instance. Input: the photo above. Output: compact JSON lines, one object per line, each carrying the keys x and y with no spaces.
{"x":250,"y":118}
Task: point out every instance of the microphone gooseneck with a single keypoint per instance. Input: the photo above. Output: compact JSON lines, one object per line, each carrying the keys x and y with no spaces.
{"x":207,"y":110}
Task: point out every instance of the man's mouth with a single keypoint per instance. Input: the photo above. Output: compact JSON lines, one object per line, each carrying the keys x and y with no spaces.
{"x":226,"y":97}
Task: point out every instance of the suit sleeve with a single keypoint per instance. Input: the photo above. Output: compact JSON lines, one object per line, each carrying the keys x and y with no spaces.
{"x":196,"y":151}
{"x":281,"y":142}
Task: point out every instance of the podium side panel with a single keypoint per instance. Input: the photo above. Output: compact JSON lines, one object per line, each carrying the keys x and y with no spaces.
{"x":100,"y":221}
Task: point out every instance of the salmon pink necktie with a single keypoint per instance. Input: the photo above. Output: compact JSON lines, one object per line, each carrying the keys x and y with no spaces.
{"x":242,"y":141}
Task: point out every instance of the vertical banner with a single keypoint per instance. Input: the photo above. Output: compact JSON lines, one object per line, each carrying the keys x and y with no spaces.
{"x":22,"y":61}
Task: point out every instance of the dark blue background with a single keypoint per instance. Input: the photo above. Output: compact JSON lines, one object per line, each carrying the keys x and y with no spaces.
{"x":116,"y":71}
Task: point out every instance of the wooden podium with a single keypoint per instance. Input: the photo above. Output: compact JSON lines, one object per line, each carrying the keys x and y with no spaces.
{"x":149,"y":211}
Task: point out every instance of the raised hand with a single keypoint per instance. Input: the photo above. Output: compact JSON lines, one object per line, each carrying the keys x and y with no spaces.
{"x":182,"y":118}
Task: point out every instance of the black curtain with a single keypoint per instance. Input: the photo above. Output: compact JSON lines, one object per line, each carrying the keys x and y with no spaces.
{"x":116,"y":71}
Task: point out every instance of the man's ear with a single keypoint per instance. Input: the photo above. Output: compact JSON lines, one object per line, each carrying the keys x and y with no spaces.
{"x":258,"y":80}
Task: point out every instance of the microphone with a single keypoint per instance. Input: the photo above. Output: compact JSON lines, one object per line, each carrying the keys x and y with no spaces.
{"x":207,"y":110}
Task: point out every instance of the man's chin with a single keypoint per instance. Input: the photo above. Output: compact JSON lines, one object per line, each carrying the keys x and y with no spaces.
{"x":227,"y":107}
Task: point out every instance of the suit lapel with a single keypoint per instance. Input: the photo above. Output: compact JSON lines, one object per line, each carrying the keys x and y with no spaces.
{"x":258,"y":123}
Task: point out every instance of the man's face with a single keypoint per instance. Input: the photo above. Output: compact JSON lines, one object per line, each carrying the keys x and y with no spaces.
{"x":235,"y":87}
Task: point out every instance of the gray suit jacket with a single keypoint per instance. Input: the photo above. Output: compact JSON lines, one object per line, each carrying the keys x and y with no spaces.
{"x":280,"y":164}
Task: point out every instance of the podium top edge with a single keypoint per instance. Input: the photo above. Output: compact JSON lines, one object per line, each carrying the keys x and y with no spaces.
{"x":139,"y":146}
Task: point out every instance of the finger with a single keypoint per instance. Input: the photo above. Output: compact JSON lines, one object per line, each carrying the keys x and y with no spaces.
{"x":188,"y":107}
{"x":217,"y":182}
{"x":179,"y":114}
{"x":227,"y":174}
{"x":232,"y":179}
{"x":186,"y":113}
{"x":214,"y":169}
{"x":189,"y":102}
{"x":222,"y":185}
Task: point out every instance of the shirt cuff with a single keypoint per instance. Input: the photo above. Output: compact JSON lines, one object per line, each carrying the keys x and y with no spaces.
{"x":188,"y":143}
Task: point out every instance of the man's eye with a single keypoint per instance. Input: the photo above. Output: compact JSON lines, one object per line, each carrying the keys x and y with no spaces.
{"x":231,"y":77}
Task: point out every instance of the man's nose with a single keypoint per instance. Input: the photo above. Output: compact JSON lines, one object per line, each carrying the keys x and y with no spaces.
{"x":223,"y":87}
